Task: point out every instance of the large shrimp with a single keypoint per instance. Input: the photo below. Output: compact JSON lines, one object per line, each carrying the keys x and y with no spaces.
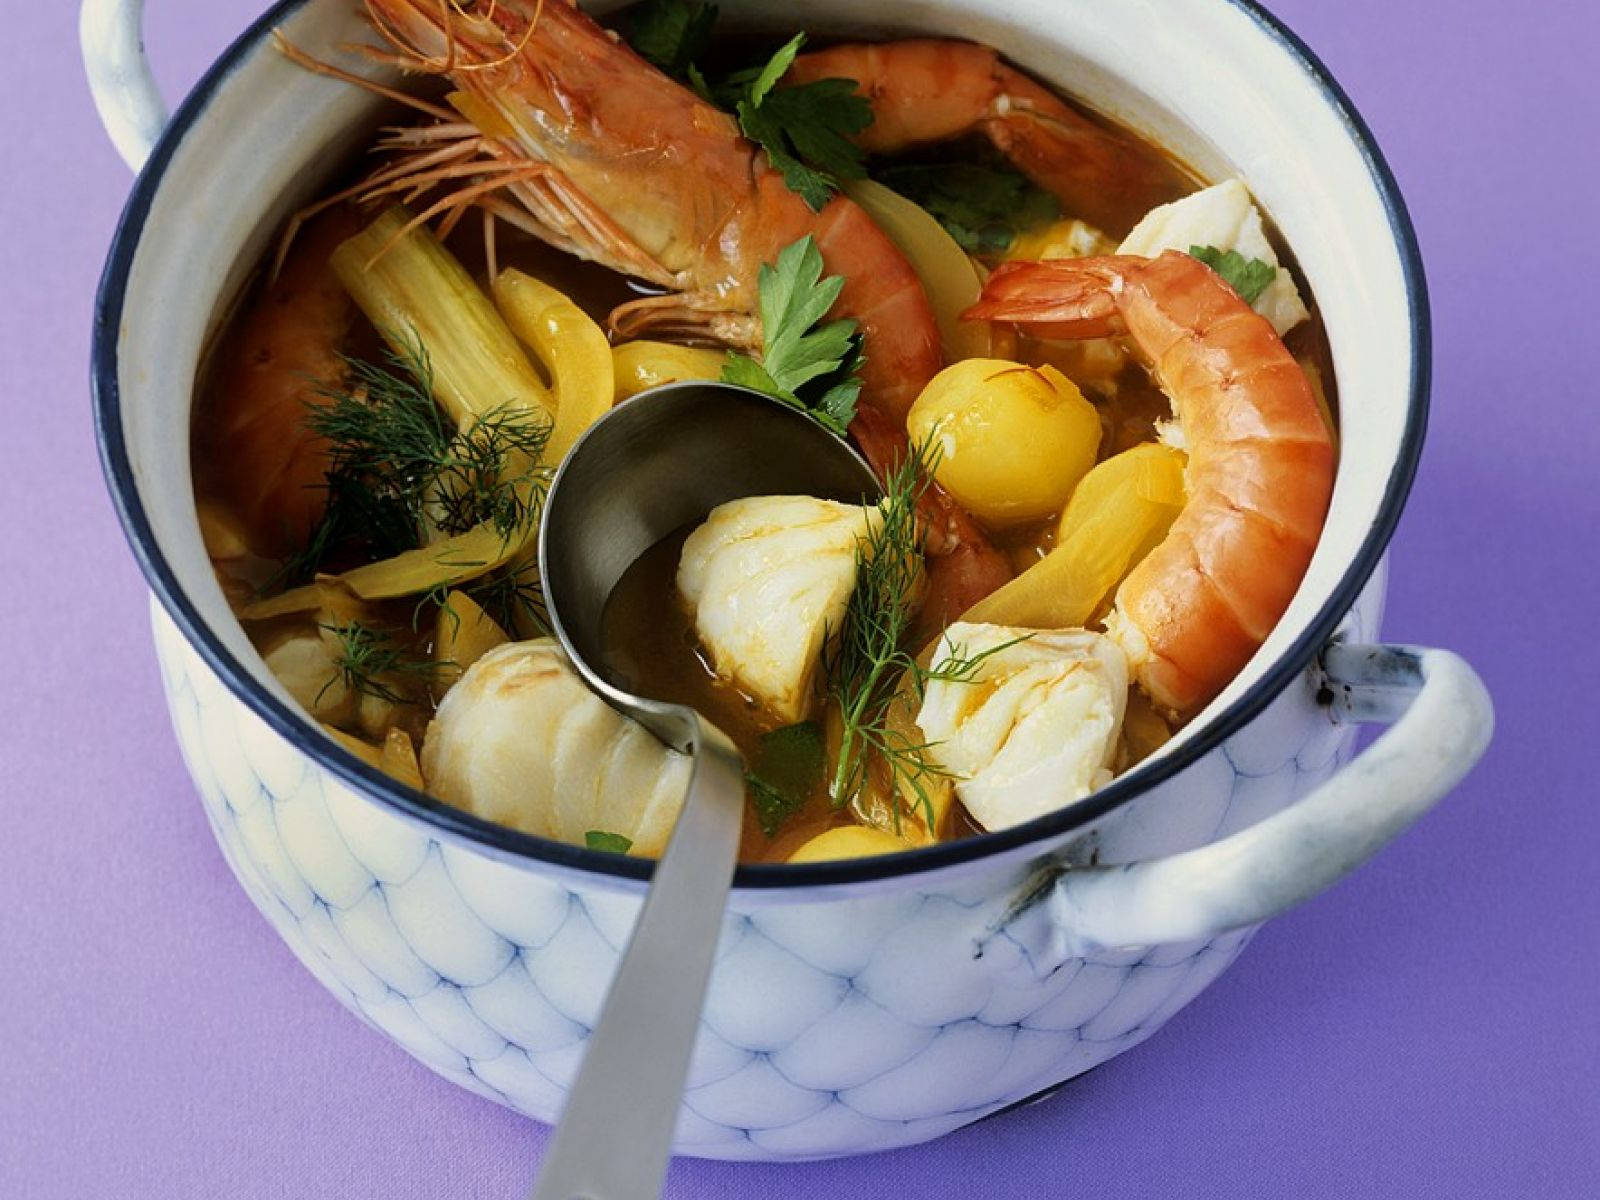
{"x":284,"y":355}
{"x":1261,"y":457}
{"x":574,"y":138}
{"x":927,"y":90}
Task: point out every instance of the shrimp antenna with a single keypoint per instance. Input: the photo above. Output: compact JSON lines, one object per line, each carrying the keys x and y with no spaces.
{"x":416,"y":60}
{"x":522,"y":44}
{"x":317,"y":67}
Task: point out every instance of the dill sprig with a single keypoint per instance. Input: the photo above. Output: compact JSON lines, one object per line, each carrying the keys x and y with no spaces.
{"x":370,"y":662}
{"x":511,"y":596}
{"x":514,"y":598}
{"x":870,"y":659}
{"x":401,"y":474}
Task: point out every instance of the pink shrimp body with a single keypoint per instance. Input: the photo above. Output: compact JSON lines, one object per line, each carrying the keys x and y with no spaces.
{"x":615,"y":162}
{"x":1261,"y":457}
{"x":930,"y":90}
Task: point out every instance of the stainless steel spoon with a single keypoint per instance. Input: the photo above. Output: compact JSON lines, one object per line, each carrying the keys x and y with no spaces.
{"x":649,"y":467}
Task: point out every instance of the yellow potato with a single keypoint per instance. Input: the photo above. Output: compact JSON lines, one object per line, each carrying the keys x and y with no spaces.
{"x":646,"y":364}
{"x":1013,"y":440}
{"x":848,"y":841}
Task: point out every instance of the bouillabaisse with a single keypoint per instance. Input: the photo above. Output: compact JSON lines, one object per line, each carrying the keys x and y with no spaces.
{"x":1093,"y":392}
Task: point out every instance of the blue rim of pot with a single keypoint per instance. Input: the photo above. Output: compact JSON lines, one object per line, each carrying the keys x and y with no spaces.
{"x":459,"y":825}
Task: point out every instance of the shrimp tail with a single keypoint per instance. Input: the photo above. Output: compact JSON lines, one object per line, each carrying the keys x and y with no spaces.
{"x":1068,"y":298}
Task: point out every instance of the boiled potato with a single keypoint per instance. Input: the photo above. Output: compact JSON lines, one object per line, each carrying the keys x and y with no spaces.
{"x":1013,"y":440}
{"x":848,"y":841}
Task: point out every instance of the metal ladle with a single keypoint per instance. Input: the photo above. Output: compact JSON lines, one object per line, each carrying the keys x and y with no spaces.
{"x":646,"y":469}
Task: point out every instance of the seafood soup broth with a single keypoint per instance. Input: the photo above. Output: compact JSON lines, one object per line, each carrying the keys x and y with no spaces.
{"x":388,"y":671}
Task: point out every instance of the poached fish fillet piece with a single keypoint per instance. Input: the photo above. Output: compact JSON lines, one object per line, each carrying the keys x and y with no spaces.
{"x":766,"y":579}
{"x":1222,"y":216}
{"x":521,"y":740}
{"x":1034,"y":727}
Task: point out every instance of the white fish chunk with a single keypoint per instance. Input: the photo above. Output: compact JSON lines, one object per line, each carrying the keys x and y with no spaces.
{"x":1036,"y":726}
{"x":766,"y":578}
{"x":1222,"y":216}
{"x":520,"y":740}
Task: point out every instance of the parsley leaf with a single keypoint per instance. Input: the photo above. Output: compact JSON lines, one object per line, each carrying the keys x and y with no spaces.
{"x":785,"y":770}
{"x":983,"y":208}
{"x":672,"y":33}
{"x":611,"y":843}
{"x":805,"y":129}
{"x":1247,"y":276}
{"x":806,"y":362}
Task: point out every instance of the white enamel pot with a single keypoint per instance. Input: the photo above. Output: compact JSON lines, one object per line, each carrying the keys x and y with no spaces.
{"x":860,"y":1005}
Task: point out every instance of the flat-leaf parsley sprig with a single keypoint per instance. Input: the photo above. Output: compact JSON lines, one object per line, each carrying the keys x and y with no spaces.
{"x":806,"y":129}
{"x":1247,"y":276}
{"x":806,"y":362}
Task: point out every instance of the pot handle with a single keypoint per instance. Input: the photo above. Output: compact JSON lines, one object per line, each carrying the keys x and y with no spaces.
{"x":124,"y":90}
{"x":1443,"y":720}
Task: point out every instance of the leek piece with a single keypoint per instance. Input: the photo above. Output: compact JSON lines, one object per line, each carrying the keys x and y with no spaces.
{"x":947,"y":274}
{"x":398,"y":759}
{"x":447,"y":562}
{"x":412,"y":289}
{"x":1118,"y":513}
{"x":444,"y":563}
{"x":362,"y":749}
{"x":463,"y":633}
{"x":646,"y":364}
{"x":572,"y":348}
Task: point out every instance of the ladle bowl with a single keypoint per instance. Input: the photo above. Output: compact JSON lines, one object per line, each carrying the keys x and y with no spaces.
{"x":651,"y":466}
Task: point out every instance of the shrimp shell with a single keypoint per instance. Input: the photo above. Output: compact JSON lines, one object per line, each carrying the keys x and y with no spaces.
{"x":1261,"y":458}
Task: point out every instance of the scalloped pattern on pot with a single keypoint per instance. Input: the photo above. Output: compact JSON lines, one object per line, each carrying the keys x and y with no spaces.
{"x":833,"y":1026}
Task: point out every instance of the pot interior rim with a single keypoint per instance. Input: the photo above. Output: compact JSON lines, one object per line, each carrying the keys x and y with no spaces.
{"x":458,"y":825}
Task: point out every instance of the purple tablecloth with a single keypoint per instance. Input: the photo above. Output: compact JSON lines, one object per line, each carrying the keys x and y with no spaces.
{"x":1430,"y":1028}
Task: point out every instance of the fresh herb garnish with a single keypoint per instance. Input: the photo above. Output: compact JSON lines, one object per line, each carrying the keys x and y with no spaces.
{"x":611,"y":843}
{"x":400,"y":472}
{"x":983,"y":208}
{"x":1247,"y":276}
{"x":785,"y":770}
{"x":805,"y":362}
{"x":513,"y":598}
{"x":671,"y":33}
{"x":870,"y":658}
{"x":370,"y":662}
{"x":806,"y":129}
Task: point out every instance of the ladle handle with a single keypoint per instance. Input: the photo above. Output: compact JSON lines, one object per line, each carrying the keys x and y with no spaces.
{"x":615,"y":1136}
